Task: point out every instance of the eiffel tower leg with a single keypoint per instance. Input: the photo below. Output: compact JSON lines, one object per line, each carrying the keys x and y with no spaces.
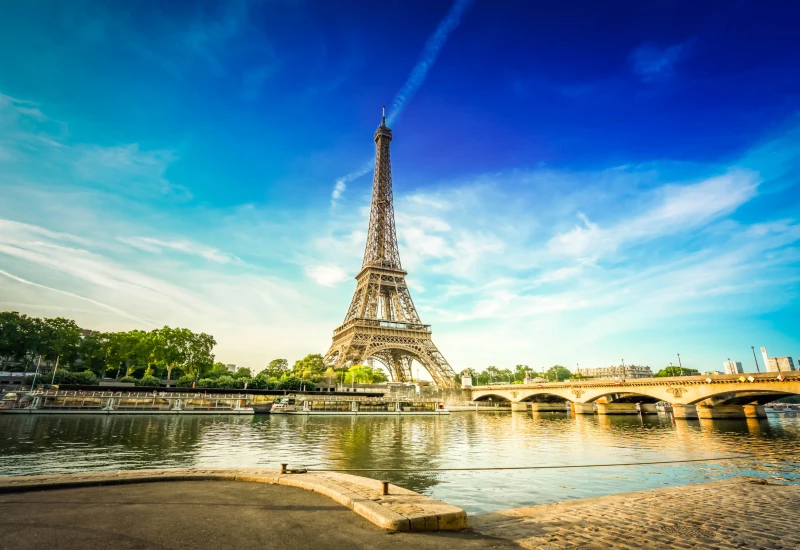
{"x":405,"y":362}
{"x":385,"y":359}
{"x":438,"y":367}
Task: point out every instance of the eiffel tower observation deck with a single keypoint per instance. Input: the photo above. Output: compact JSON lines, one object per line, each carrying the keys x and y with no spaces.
{"x":382,"y":322}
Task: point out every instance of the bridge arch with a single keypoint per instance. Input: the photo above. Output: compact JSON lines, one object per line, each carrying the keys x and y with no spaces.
{"x":618,"y":396}
{"x":743,"y":397}
{"x":545,"y":398}
{"x":492,"y":397}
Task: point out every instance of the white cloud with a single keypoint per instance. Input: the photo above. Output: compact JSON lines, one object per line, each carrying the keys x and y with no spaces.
{"x":653,"y":63}
{"x":327,"y":275}
{"x":157,"y":246}
{"x":673,"y":209}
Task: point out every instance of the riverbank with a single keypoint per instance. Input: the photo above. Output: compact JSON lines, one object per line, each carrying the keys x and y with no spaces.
{"x":721,"y":515}
{"x":197,"y":508}
{"x":203,"y":515}
{"x":388,"y":506}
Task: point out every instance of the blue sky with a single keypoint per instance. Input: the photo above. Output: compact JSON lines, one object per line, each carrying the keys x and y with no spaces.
{"x":577,"y":182}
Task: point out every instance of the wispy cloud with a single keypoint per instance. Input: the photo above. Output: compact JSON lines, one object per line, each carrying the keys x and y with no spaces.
{"x":26,"y":131}
{"x":430,"y":52}
{"x":673,"y":208}
{"x":341,"y":184}
{"x":652,"y":63}
{"x":150,"y":244}
{"x":116,"y":310}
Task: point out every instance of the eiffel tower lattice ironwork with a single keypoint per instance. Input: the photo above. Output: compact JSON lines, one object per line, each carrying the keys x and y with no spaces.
{"x":382,"y":322}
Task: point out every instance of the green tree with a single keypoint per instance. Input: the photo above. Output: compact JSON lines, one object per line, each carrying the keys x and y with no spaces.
{"x":149,"y":381}
{"x":311,"y":367}
{"x":198,"y":353}
{"x":379,"y":376}
{"x":94,"y":351}
{"x":170,"y":347}
{"x":185,"y":381}
{"x":295,"y":383}
{"x":557,"y":373}
{"x":276,"y":368}
{"x":14,"y":336}
{"x":60,"y":340}
{"x":676,"y":371}
{"x":520,"y":372}
{"x":243,"y":372}
{"x":217,"y":369}
{"x":129,"y":350}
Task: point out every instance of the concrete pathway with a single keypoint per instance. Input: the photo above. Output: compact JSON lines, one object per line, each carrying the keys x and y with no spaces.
{"x":733,"y":514}
{"x":202,"y":515}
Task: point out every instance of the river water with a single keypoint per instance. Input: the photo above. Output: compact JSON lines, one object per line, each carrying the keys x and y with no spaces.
{"x":39,"y":444}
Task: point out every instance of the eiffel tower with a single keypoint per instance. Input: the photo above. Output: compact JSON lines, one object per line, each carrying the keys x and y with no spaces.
{"x":382,"y":322}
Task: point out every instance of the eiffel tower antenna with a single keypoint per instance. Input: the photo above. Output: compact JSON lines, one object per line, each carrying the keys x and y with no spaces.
{"x":382,"y":322}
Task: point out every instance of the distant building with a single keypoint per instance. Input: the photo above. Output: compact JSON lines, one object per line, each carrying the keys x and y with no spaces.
{"x":780,"y":364}
{"x":231,"y":367}
{"x":733,"y":367}
{"x":617,"y":373}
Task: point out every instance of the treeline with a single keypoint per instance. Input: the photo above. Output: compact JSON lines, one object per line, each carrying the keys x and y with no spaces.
{"x":160,"y":353}
{"x":556,"y":373}
{"x":493,"y":375}
{"x":145,"y":357}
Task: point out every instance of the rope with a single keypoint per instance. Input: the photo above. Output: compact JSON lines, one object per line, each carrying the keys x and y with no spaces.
{"x":545,"y":467}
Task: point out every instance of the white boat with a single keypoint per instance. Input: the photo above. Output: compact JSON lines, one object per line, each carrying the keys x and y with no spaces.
{"x":106,"y":402}
{"x":782,"y":408}
{"x":350,"y":406}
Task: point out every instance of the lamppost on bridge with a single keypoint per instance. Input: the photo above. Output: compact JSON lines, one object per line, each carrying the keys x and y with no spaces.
{"x":753,"y":348}
{"x":681,"y":364}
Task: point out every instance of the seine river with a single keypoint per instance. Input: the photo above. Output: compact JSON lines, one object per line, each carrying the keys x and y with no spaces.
{"x":48,"y":444}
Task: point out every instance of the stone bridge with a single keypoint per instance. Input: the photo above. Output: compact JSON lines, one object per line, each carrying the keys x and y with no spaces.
{"x":717,"y":396}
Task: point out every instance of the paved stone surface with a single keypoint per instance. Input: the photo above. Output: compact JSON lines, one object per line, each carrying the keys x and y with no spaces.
{"x":732,"y":514}
{"x":202,"y":515}
{"x":400,"y":510}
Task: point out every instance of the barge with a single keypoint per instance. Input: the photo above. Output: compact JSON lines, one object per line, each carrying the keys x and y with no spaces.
{"x":354,"y":406}
{"x":105,"y":402}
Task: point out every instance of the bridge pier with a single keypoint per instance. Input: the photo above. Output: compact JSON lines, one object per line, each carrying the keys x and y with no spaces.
{"x":549,"y":407}
{"x":720,"y":411}
{"x":649,"y":408}
{"x":518,"y":407}
{"x":684,"y":411}
{"x":583,"y":408}
{"x":617,"y":408}
{"x":755,"y":411}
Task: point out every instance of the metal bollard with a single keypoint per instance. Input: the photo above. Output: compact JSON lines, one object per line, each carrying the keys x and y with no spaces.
{"x":283,"y":468}
{"x":385,"y":487}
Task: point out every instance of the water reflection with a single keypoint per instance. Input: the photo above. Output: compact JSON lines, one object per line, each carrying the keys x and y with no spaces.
{"x":48,"y":444}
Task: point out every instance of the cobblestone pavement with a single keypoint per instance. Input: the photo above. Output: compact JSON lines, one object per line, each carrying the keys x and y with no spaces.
{"x":709,"y":516}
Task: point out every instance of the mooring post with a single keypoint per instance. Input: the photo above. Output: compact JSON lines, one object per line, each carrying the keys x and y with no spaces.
{"x":385,"y":487}
{"x":283,"y":468}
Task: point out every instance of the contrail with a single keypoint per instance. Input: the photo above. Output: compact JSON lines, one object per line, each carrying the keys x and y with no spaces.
{"x":415,"y":79}
{"x":121,"y":312}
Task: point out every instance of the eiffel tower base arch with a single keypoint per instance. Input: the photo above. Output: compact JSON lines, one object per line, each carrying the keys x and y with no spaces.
{"x":396,"y":353}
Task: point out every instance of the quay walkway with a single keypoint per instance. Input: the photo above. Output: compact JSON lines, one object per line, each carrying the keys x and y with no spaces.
{"x":213,"y":508}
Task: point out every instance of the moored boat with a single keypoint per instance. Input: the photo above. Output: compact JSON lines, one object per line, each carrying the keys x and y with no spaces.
{"x":105,"y":402}
{"x":352,"y":406}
